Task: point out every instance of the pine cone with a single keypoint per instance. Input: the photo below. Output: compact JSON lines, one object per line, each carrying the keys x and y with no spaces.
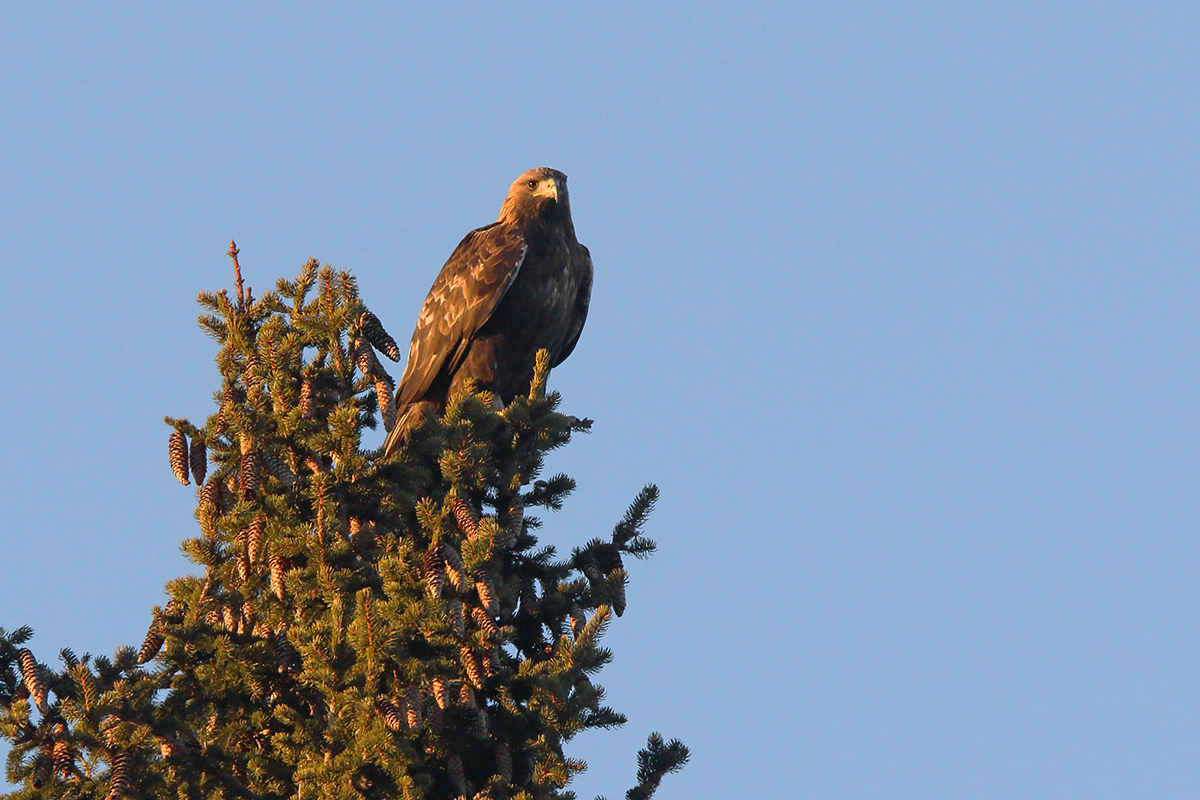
{"x":198,"y":460}
{"x":307,"y":406}
{"x":516,"y":515}
{"x":372,"y":330}
{"x":433,"y":572}
{"x":454,"y":567}
{"x":488,"y":663}
{"x":33,"y":675}
{"x":435,"y":718}
{"x":466,"y":696}
{"x":504,"y":762}
{"x":254,"y":534}
{"x":608,"y":558}
{"x":42,"y":767}
{"x":253,"y":375}
{"x":118,"y":779}
{"x":619,"y":595}
{"x":153,"y":642}
{"x":278,"y":469}
{"x":285,"y":654}
{"x":229,"y":398}
{"x":468,"y":521}
{"x":64,"y":754}
{"x":412,"y":702}
{"x":454,"y":613}
{"x":578,"y":620}
{"x":248,"y":475}
{"x":230,"y":619}
{"x":471,"y":666}
{"x":277,"y":566}
{"x":390,"y":713}
{"x":440,"y":695}
{"x":209,"y":496}
{"x":454,"y":768}
{"x":387,"y":409}
{"x":174,"y":610}
{"x":177,"y":449}
{"x":484,"y":622}
{"x":367,"y":363}
{"x":487,"y":594}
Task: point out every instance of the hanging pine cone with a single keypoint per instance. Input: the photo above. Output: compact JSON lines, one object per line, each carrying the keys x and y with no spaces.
{"x":412,"y":702}
{"x":285,"y":654}
{"x":174,"y":610}
{"x":454,"y":768}
{"x":468,"y":521}
{"x":387,"y":409}
{"x":454,"y":613}
{"x":578,"y":620}
{"x":254,"y":535}
{"x":487,"y":594}
{"x":177,"y":449}
{"x":487,"y":661}
{"x":229,"y":398}
{"x":230,"y":618}
{"x":33,"y":675}
{"x":43,"y":764}
{"x":440,"y":695}
{"x":390,"y":713}
{"x":153,"y":642}
{"x":471,"y":666}
{"x":372,"y":330}
{"x":118,"y":778}
{"x":466,"y":696}
{"x":608,"y":558}
{"x":208,"y":496}
{"x":617,"y":581}
{"x":454,"y":567}
{"x":484,"y":622}
{"x":253,"y":375}
{"x":434,"y":715}
{"x":198,"y":460}
{"x":479,"y":725}
{"x":516,"y":515}
{"x":63,"y":754}
{"x":504,"y":762}
{"x":433,"y":572}
{"x":277,"y":566}
{"x":277,"y":468}
{"x":307,"y":406}
{"x":248,"y":475}
{"x":367,"y":363}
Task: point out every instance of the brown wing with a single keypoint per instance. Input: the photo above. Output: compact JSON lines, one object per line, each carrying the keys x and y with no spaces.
{"x":581,"y":260}
{"x":466,"y":291}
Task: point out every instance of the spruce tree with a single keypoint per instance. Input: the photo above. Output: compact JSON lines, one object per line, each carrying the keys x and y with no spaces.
{"x":361,"y":628}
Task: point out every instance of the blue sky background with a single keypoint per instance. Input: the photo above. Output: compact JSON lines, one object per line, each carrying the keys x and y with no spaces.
{"x":896,"y":303}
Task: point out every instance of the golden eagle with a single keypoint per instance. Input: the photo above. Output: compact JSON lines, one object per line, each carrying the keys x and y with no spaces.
{"x":508,"y":290}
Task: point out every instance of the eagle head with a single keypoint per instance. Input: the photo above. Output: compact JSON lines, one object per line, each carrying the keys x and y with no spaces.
{"x":538,"y":196}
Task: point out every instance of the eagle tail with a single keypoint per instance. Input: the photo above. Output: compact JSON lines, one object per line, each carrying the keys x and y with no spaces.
{"x":405,"y":422}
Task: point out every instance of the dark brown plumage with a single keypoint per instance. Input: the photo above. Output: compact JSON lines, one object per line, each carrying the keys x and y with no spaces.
{"x":509,"y":289}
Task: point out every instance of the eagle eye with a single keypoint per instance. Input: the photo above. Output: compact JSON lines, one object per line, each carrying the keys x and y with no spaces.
{"x":532,"y":184}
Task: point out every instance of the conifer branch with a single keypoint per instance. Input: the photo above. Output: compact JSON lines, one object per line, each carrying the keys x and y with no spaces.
{"x":357,"y":623}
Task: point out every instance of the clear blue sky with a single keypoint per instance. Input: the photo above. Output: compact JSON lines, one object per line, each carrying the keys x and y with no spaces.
{"x":896,"y":302}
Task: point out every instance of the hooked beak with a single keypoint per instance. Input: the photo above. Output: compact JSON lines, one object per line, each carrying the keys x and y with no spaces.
{"x":549,"y":190}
